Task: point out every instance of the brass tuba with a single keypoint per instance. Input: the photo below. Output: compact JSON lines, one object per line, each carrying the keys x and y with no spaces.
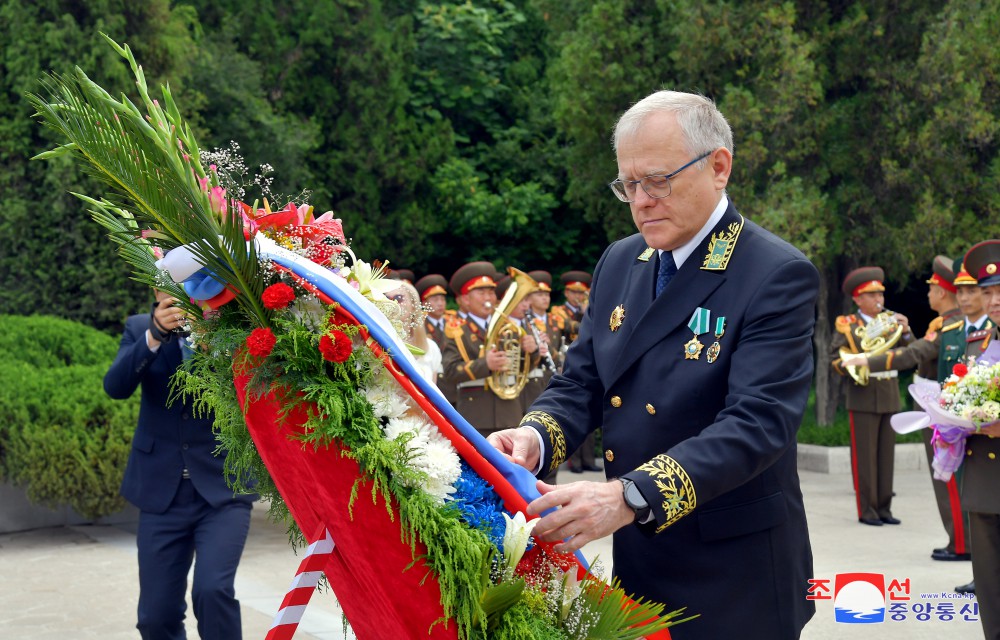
{"x":503,"y":333}
{"x":874,"y":338}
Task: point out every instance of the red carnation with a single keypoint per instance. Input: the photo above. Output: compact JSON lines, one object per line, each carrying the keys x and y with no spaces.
{"x":260,"y":342}
{"x":960,"y":370}
{"x":335,"y":347}
{"x":278,"y":296}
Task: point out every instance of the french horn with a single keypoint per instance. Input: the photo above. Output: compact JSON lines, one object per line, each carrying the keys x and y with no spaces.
{"x":873,"y":339}
{"x":504,"y":334}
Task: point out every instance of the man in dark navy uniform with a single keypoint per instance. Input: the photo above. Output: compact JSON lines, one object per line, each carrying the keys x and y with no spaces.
{"x":695,"y":354}
{"x":187,"y":512}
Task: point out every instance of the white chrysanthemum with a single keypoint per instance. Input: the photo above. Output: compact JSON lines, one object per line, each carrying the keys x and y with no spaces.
{"x":386,"y":402}
{"x":404,"y":424}
{"x":309,"y":310}
{"x":442,"y":466}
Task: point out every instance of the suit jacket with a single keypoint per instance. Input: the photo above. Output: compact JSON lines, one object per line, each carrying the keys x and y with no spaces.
{"x":711,"y":445}
{"x":168,"y":439}
{"x":879,"y":395}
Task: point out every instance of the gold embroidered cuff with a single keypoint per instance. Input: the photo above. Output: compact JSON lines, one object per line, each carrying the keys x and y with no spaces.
{"x":675,"y":487}
{"x":557,"y":441}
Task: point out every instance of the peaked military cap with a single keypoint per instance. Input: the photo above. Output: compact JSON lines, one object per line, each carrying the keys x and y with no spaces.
{"x":475,"y":275}
{"x":502,"y":285}
{"x":983,"y":263}
{"x":432,"y":284}
{"x":576,"y":280}
{"x":943,"y":273}
{"x":863,"y":280}
{"x":962,"y":277}
{"x":406,"y":275}
{"x":543,"y":278}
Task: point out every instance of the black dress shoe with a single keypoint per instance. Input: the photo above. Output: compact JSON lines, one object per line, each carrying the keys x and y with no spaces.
{"x":874,"y":523}
{"x":966,"y":588}
{"x":891,"y":520}
{"x":592,"y":467}
{"x":944,"y":554}
{"x":941,"y":550}
{"x":575,"y":470}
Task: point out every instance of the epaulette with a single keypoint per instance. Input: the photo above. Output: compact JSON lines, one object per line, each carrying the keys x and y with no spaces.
{"x":976,"y":336}
{"x":843,"y":323}
{"x":935,"y":325}
{"x":453,"y":330}
{"x":953,"y":326}
{"x":559,"y":321}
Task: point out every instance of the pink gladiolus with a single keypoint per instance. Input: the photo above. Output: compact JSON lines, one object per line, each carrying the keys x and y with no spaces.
{"x":217,"y":198}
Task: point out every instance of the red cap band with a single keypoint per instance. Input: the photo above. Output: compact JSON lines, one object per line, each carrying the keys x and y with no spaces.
{"x":477,"y":283}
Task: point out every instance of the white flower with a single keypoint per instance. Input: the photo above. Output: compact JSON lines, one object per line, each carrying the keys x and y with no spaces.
{"x":515,"y":538}
{"x":372,"y":283}
{"x":403,"y":424}
{"x":386,"y":402}
{"x":309,"y":310}
{"x":568,"y":586}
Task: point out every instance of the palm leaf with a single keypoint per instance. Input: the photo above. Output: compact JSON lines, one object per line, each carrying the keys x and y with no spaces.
{"x":150,"y":159}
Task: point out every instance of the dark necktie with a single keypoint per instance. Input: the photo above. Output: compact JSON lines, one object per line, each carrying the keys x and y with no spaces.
{"x":971,"y":329}
{"x":667,"y":271}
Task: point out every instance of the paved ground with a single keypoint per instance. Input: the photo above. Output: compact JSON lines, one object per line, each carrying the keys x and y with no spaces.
{"x":80,"y":582}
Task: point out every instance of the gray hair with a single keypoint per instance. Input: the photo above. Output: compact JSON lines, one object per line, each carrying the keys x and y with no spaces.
{"x":703,"y":125}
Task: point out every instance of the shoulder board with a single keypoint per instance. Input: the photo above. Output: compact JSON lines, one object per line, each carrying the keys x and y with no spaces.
{"x":976,"y":336}
{"x":844,"y":322}
{"x":935,"y":324}
{"x":558,"y":321}
{"x":953,"y":326}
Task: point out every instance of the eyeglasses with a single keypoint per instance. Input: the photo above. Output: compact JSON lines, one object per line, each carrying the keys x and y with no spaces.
{"x":655,"y":186}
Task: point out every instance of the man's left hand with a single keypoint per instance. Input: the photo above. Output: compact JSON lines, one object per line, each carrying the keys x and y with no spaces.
{"x":587,"y":511}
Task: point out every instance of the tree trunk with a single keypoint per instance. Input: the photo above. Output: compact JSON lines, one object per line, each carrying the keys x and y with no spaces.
{"x":827,"y":383}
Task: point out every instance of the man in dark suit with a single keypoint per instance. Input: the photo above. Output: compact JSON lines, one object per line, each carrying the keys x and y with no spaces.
{"x":695,"y":355}
{"x":981,"y":467}
{"x":174,"y":477}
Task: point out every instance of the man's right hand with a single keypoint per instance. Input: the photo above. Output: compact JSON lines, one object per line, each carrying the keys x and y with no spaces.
{"x":519,"y":445}
{"x":496,"y":360}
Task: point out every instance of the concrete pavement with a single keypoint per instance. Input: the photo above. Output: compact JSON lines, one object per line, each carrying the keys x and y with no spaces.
{"x":81,"y":581}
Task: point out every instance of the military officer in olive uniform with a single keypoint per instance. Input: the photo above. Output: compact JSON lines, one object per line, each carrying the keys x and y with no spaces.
{"x":576,"y":289}
{"x":465,"y":358}
{"x":981,"y":475}
{"x":934,"y":355}
{"x":872,"y":438}
{"x":433,"y":291}
{"x":549,"y":328}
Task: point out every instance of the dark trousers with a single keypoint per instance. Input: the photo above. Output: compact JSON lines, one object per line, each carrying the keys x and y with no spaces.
{"x":946,"y":495}
{"x":985,"y":530}
{"x":584,"y":455}
{"x":191,"y":530}
{"x":873,"y":454}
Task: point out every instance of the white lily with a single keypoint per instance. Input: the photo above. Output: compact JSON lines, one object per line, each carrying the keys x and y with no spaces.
{"x":515,"y":538}
{"x":372,"y":283}
{"x":569,"y":585}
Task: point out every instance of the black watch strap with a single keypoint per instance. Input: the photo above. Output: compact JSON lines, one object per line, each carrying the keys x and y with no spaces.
{"x":635,"y":500}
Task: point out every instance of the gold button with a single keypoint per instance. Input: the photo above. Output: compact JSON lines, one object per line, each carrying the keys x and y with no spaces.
{"x":991,"y":269}
{"x":991,"y":455}
{"x":968,"y":452}
{"x":609,"y":455}
{"x":616,"y":401}
{"x":651,"y":409}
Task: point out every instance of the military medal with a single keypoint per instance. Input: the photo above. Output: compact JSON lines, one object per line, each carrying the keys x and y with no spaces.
{"x":698,"y":325}
{"x":617,"y":317}
{"x":720,"y":330}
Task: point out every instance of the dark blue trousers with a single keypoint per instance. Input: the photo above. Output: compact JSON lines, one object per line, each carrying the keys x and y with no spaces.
{"x":213,"y":538}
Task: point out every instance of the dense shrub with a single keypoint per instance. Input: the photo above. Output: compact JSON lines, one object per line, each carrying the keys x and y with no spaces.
{"x":61,"y":436}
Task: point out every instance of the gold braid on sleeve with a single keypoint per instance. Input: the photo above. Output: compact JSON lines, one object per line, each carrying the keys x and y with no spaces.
{"x":557,"y":441}
{"x":675,"y":487}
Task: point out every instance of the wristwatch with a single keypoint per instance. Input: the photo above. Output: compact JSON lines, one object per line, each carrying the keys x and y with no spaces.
{"x":634,"y":500}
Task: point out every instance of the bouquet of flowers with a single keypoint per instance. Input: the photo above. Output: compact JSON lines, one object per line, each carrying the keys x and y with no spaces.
{"x":961,"y":405}
{"x":316,"y":397}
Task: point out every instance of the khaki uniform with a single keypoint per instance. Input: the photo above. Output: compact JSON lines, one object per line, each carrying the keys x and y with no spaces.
{"x":934,"y":355}
{"x":872,"y":438}
{"x":465,"y":371}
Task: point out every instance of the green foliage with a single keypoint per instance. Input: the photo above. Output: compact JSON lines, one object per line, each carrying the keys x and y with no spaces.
{"x":61,"y":436}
